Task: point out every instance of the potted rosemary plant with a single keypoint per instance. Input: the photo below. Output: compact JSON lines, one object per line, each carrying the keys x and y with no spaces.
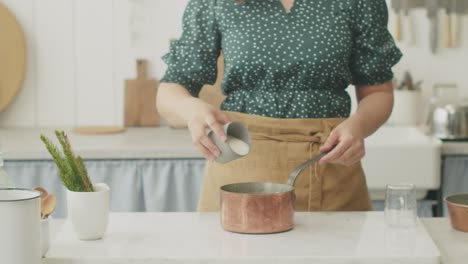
{"x":88,"y":204}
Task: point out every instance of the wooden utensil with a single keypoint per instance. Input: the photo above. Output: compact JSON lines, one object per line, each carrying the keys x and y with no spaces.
{"x":12,"y":57}
{"x":212,"y":94}
{"x":43,"y":191}
{"x":48,"y":205}
{"x":98,"y":130}
{"x":432,"y":9}
{"x":448,"y":25}
{"x":398,"y":6}
{"x":140,"y":99}
{"x":458,"y":10}
{"x":408,"y":35}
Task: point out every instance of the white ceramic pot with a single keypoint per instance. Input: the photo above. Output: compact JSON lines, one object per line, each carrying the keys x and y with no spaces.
{"x":20,"y":226}
{"x":45,"y":235}
{"x":89,"y":212}
{"x":407,"y":109}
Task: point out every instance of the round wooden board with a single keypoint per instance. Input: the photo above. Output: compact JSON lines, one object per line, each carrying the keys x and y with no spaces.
{"x":98,"y":130}
{"x":12,"y":57}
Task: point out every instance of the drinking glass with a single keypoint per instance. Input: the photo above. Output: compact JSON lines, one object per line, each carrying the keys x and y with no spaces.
{"x":400,"y":205}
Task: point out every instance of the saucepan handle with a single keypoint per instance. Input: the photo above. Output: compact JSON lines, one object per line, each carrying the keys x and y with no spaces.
{"x":298,"y":170}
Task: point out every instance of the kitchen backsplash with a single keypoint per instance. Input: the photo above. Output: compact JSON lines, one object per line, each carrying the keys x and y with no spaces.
{"x":448,"y":65}
{"x":80,"y":52}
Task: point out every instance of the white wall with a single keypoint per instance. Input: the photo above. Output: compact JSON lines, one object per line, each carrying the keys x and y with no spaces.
{"x":448,"y":65}
{"x":80,"y":52}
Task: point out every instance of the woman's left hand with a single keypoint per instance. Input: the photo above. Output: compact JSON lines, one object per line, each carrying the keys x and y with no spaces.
{"x":375,"y":106}
{"x":349,"y":141}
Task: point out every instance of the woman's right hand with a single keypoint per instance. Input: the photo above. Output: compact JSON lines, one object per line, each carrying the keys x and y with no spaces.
{"x":200,"y":116}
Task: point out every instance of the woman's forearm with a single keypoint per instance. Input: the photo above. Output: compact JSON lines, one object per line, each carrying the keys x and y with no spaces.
{"x":181,"y":109}
{"x":171,"y":103}
{"x":374,"y":108}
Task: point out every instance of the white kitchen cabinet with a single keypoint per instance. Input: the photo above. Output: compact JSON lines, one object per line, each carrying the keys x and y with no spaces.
{"x":138,"y":185}
{"x":158,"y":169}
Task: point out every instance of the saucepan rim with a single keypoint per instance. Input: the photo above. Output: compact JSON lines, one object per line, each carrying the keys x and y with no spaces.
{"x":36,"y":195}
{"x":289,"y":188}
{"x":447,"y":199}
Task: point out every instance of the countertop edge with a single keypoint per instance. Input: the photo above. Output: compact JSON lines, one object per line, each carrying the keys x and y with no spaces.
{"x":137,"y":143}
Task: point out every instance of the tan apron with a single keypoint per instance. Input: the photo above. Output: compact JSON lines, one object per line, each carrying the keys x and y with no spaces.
{"x":279,"y":146}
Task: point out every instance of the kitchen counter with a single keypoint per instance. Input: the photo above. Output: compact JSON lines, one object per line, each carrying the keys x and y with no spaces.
{"x":455,"y":148}
{"x":198,"y":238}
{"x":406,"y":146}
{"x":135,"y":143}
{"x":452,"y":244}
{"x":159,"y":142}
{"x":24,"y":154}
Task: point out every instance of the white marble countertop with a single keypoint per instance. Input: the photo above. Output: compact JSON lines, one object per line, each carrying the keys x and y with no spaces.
{"x":198,"y":238}
{"x":135,"y":143}
{"x":452,"y":244}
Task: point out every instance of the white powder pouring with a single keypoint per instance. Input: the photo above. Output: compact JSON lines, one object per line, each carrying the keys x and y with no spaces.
{"x":238,"y":146}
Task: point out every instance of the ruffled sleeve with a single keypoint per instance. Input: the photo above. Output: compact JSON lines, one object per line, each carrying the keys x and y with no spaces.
{"x":192,"y":59}
{"x":374,"y":50}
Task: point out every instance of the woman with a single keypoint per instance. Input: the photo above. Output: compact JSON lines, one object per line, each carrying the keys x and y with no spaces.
{"x":287,"y":65}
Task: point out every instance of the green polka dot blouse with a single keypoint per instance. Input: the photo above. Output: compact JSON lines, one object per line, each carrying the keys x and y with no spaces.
{"x":284,"y":65}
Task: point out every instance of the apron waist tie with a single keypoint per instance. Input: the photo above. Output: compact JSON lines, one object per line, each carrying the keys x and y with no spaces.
{"x":314,"y":178}
{"x":316,"y":139}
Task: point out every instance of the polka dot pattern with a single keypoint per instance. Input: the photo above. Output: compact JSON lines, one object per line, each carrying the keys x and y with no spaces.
{"x":284,"y":65}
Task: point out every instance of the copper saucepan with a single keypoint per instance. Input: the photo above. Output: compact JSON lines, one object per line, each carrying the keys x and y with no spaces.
{"x":260,"y":208}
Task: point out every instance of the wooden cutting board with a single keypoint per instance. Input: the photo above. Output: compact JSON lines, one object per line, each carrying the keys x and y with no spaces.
{"x":98,"y":130}
{"x":212,"y":94}
{"x":12,"y":57}
{"x":140,"y":99}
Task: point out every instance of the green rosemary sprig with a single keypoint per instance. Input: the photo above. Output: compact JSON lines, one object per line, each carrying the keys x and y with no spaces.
{"x":83,"y":172}
{"x":72,"y":170}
